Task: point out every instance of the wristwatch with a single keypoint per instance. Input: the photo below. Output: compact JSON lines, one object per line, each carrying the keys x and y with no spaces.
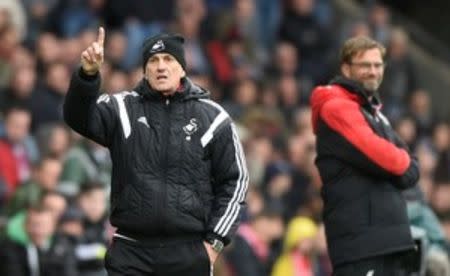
{"x":216,"y":244}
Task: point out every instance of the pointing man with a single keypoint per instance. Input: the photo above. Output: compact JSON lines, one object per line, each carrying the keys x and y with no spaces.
{"x":179,"y":174}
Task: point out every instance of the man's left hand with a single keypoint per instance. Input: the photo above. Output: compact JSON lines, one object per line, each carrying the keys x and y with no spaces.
{"x":212,"y":254}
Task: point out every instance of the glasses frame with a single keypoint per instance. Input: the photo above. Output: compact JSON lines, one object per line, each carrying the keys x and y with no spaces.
{"x":368,"y":65}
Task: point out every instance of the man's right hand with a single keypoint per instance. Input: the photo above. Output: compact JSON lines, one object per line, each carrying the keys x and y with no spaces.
{"x":92,"y":57}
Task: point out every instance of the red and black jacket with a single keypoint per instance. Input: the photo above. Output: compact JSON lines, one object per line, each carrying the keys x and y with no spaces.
{"x":364,"y":166}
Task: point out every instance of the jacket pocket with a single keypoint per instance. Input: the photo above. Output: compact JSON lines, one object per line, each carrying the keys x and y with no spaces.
{"x":189,"y":203}
{"x":129,"y":202}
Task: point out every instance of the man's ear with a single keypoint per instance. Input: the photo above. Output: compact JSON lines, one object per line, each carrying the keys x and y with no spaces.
{"x":345,"y":70}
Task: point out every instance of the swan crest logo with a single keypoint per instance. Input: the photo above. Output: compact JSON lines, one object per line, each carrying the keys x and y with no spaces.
{"x":158,"y":46}
{"x":191,"y":128}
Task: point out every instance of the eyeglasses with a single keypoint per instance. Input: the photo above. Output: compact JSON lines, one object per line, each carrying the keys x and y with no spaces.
{"x":368,"y":65}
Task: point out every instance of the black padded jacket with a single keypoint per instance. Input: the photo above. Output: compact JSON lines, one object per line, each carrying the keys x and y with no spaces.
{"x":178,"y":164}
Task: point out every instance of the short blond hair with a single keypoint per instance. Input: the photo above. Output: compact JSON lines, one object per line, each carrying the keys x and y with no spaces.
{"x":355,"y":45}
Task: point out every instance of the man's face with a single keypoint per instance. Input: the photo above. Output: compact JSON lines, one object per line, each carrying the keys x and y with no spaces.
{"x":17,"y":125}
{"x":56,"y":204}
{"x":163,"y":73}
{"x":367,"y":68}
{"x":93,"y":204}
{"x":40,"y":226}
{"x":58,"y":78}
{"x":48,"y":174}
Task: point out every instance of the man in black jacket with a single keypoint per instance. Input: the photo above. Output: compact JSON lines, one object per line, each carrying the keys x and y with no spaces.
{"x":179,"y":175}
{"x":47,"y":253}
{"x":364,"y":166}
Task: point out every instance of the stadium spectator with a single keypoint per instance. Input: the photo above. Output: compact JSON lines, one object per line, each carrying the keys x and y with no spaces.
{"x":20,"y":89}
{"x":17,"y":148}
{"x":299,"y":249}
{"x":314,"y":42}
{"x":54,"y":202}
{"x":87,"y":222}
{"x":85,"y":161}
{"x":401,"y":77}
{"x":53,"y":140}
{"x":251,"y":249}
{"x":45,"y":177}
{"x":46,"y":254}
{"x":46,"y":102}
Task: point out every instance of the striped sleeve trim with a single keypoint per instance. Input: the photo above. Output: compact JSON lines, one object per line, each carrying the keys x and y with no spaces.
{"x":234,"y":205}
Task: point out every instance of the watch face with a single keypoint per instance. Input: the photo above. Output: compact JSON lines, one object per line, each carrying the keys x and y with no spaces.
{"x":217,"y":246}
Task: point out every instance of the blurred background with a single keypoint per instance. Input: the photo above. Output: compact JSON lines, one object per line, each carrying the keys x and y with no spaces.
{"x":260,"y":59}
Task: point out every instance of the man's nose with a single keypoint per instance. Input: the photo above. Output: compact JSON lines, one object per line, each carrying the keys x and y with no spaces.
{"x":161,"y":66}
{"x":373,"y":70}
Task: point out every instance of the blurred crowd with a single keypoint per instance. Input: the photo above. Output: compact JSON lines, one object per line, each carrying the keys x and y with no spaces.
{"x":260,"y":59}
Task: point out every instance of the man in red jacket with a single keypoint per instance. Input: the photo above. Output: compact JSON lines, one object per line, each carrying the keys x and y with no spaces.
{"x":15,"y":160}
{"x":364,"y":166}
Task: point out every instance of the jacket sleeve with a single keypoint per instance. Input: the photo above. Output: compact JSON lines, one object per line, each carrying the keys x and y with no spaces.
{"x":86,"y":111}
{"x":363,"y":148}
{"x":230,"y":182}
{"x":411,"y":176}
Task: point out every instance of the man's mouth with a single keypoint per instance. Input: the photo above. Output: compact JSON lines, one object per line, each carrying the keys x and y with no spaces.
{"x":161,"y":77}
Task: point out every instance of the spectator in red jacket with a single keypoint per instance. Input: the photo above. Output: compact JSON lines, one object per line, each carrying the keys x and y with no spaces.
{"x":15,"y":160}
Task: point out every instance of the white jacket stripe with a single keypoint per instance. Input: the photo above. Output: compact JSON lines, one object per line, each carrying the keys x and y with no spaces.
{"x":123,"y":114}
{"x":234,"y":206}
{"x":209,"y":134}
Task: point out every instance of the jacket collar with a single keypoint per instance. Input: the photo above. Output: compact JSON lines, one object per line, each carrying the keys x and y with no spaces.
{"x":371,"y":101}
{"x":187,"y":90}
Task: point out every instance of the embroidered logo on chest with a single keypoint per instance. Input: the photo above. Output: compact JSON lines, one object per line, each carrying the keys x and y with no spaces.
{"x":190,"y":128}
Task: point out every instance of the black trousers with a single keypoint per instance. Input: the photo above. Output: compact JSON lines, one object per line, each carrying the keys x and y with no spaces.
{"x":396,"y":264}
{"x":165,"y":258}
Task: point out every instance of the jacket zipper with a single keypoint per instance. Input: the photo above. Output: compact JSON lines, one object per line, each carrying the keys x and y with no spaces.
{"x":162,"y":202}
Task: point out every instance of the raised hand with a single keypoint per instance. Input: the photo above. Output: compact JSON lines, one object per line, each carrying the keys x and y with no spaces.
{"x":92,"y":57}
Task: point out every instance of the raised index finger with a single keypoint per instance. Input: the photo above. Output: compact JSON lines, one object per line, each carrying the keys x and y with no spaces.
{"x":101,"y":36}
